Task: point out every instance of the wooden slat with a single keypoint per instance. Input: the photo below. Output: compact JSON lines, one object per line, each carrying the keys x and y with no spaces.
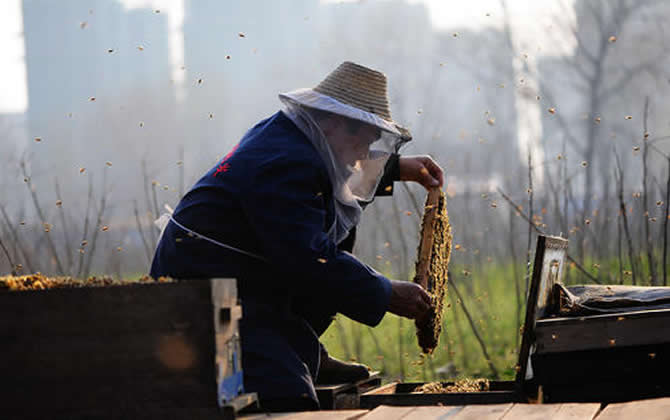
{"x":603,"y":331}
{"x":384,"y":412}
{"x":309,"y":415}
{"x":656,"y":409}
{"x":434,"y":413}
{"x":92,"y":310}
{"x":575,"y":411}
{"x":532,"y":412}
{"x":552,"y":411}
{"x":483,"y":412}
{"x":62,"y":400}
{"x":426,"y":246}
{"x":111,"y":356}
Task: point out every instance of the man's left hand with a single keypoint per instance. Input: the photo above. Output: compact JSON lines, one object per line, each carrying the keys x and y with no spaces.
{"x":422,"y":169}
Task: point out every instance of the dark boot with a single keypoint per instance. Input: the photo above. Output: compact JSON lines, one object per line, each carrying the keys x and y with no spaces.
{"x":334,"y":371}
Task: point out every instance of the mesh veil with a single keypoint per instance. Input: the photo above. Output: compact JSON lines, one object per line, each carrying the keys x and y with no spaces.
{"x":353,"y":183}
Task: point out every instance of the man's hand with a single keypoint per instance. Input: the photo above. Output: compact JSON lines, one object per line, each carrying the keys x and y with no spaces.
{"x":421,"y":169}
{"x":409,"y":300}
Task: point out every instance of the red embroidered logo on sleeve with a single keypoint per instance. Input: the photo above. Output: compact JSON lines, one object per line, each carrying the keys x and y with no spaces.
{"x":224,"y":166}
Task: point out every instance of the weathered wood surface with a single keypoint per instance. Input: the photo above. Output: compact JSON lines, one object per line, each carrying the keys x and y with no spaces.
{"x":644,"y":409}
{"x":483,"y":412}
{"x":388,"y":413}
{"x":657,"y":409}
{"x":310,"y":415}
{"x":603,"y":331}
{"x":548,"y":265}
{"x":496,"y":412}
{"x":415,"y":413}
{"x":487,"y":412}
{"x":577,"y":411}
{"x":552,"y":411}
{"x":432,"y":413}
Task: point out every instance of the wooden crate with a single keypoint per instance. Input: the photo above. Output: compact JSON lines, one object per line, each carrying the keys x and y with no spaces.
{"x":136,"y":351}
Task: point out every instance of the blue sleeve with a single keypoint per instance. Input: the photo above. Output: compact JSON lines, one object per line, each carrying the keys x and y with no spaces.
{"x":285,"y":205}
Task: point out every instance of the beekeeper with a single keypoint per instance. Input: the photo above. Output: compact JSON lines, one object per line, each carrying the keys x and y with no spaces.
{"x":279,"y":214}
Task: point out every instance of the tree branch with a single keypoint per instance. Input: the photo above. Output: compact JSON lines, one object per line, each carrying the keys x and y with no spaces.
{"x":541,"y":232}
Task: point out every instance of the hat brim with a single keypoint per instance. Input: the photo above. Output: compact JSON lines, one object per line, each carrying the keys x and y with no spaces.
{"x":310,"y":98}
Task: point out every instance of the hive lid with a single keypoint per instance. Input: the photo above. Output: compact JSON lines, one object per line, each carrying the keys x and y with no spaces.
{"x":550,"y":256}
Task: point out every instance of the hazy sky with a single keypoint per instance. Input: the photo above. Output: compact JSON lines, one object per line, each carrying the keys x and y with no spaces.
{"x":531,"y":20}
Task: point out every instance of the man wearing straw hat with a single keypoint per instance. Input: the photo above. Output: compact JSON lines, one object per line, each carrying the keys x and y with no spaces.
{"x":279,"y":213}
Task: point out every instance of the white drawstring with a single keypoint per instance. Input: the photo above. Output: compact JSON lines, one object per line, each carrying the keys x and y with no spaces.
{"x":215,"y":242}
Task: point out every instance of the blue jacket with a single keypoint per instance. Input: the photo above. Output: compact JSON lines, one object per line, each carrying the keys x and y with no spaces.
{"x":271,"y":196}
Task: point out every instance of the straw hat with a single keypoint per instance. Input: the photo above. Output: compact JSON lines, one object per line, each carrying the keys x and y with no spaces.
{"x":354,"y":91}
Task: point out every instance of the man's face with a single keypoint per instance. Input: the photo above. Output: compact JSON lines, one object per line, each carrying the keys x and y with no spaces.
{"x":351,"y":141}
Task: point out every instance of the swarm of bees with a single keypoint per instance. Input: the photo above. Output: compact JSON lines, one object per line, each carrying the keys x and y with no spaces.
{"x":39,"y":281}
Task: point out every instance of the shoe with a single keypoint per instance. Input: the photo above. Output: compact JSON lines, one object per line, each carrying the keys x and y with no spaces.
{"x":334,"y":371}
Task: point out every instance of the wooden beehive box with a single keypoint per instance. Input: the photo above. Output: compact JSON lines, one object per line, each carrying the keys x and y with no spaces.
{"x":134,"y":351}
{"x":618,"y":356}
{"x":550,"y":255}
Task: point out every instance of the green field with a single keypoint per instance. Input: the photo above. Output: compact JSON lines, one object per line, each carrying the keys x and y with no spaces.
{"x":489,"y":295}
{"x":392,"y":348}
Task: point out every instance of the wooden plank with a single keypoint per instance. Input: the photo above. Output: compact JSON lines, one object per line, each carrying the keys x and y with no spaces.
{"x":532,"y":411}
{"x":28,"y":359}
{"x":603,"y":331}
{"x":309,"y":415}
{"x":434,"y":413}
{"x":59,"y":400}
{"x":552,"y":411}
{"x":426,"y":245}
{"x":548,"y":265}
{"x":575,"y":411}
{"x":646,"y":409}
{"x":90,"y":310}
{"x":384,"y":412}
{"x":483,"y":412}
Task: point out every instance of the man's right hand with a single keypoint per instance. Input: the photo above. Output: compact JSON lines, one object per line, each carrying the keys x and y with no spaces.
{"x":408,"y":300}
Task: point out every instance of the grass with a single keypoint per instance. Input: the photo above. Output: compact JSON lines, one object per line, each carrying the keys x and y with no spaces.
{"x":490,"y":297}
{"x":393,"y":349}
